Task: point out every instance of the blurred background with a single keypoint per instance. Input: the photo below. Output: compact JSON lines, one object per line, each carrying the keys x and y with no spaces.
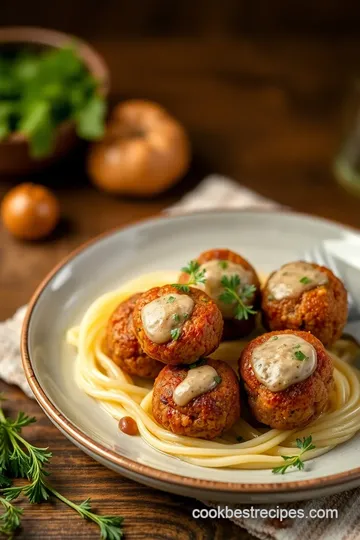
{"x":265,"y":92}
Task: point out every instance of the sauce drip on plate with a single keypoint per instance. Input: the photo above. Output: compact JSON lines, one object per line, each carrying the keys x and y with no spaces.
{"x":283,"y":360}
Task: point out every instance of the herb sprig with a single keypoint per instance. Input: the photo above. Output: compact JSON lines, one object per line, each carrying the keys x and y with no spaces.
{"x":20,"y":459}
{"x":196,"y":276}
{"x":305,"y":445}
{"x":235,"y":293}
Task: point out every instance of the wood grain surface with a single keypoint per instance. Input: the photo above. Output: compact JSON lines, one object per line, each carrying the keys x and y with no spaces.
{"x":262,"y":107}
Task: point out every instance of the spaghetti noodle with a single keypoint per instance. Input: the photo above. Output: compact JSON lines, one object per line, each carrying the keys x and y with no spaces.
{"x":121,"y":395}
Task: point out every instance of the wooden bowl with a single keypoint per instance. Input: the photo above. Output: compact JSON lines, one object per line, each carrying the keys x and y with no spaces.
{"x":14,"y":150}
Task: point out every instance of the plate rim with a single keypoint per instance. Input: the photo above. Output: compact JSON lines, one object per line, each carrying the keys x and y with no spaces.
{"x":147,"y":471}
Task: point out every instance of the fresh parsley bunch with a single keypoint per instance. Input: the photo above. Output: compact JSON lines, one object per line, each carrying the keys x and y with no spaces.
{"x":20,"y":459}
{"x":39,"y":91}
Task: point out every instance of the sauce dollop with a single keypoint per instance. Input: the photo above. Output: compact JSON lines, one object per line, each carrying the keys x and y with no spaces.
{"x":215,"y":270}
{"x":166,"y":314}
{"x":295,"y":278}
{"x":128,"y":425}
{"x":197,"y":381}
{"x":283,"y":360}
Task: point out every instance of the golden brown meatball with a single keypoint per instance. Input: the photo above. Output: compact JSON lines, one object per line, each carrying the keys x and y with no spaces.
{"x":298,"y":404}
{"x":196,"y":335}
{"x":123,"y":346}
{"x":206,"y":416}
{"x":320,"y":309}
{"x":233,"y":327}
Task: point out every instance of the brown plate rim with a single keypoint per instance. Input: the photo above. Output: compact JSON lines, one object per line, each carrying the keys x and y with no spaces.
{"x":128,"y":464}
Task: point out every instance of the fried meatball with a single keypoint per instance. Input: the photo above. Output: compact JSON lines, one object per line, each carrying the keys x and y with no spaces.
{"x":319,"y":306}
{"x":225,"y":266}
{"x":300,"y":403}
{"x":123,"y":347}
{"x":206,"y":416}
{"x":196,"y":335}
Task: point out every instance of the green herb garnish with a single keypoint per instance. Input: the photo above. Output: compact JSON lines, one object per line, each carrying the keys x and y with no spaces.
{"x":217,"y":379}
{"x":186,"y":316}
{"x":305,"y":280}
{"x":175,"y":333}
{"x":274,"y":338}
{"x":236,"y":294}
{"x":39,"y":91}
{"x":170,"y":300}
{"x":196,"y":276}
{"x":223,"y":264}
{"x":176,"y":317}
{"x":299,"y":355}
{"x":295,"y":461}
{"x":19,"y":458}
{"x":198,"y":363}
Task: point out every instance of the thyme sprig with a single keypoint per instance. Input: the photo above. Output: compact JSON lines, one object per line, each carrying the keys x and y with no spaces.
{"x":21,"y":459}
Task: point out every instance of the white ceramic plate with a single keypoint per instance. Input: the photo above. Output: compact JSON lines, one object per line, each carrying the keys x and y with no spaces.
{"x":267,"y":240}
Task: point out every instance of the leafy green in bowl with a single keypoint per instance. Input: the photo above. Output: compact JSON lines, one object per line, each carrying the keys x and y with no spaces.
{"x":41,"y":90}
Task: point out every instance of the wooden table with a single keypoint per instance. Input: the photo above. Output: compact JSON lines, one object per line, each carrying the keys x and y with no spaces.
{"x":267,"y":113}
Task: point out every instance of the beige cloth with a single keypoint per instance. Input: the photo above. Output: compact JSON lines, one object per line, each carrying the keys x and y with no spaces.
{"x":214,"y":192}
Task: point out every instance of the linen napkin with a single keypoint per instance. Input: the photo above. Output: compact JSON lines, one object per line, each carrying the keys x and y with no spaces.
{"x":214,"y":192}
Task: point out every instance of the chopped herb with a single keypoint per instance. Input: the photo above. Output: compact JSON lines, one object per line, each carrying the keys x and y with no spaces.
{"x":223,"y":264}
{"x":170,"y":300}
{"x":198,"y":363}
{"x":274,"y":338}
{"x":297,"y":346}
{"x":305,"y":280}
{"x":299,"y":355}
{"x":217,"y":379}
{"x":304,"y":445}
{"x":235,"y":293}
{"x":175,"y":334}
{"x":176,"y":317}
{"x":239,"y":438}
{"x":196,"y":276}
{"x":186,"y":316}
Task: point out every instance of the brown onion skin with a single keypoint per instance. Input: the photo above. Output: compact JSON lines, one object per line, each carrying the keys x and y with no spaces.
{"x":322,"y":311}
{"x":200,"y":335}
{"x":299,"y":404}
{"x":30,"y":211}
{"x":144,"y":151}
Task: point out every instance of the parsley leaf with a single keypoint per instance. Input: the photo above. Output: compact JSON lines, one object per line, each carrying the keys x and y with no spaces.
{"x":237,"y":294}
{"x":299,"y":355}
{"x":217,"y":379}
{"x":304,"y":445}
{"x":196,"y":276}
{"x":175,"y":333}
{"x":305,"y":280}
{"x":223,"y":264}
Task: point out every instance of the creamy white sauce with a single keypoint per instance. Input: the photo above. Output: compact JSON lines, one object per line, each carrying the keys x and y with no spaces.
{"x":197,"y":381}
{"x":293,"y":279}
{"x":283,"y":360}
{"x":166,"y":314}
{"x":215,"y":270}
